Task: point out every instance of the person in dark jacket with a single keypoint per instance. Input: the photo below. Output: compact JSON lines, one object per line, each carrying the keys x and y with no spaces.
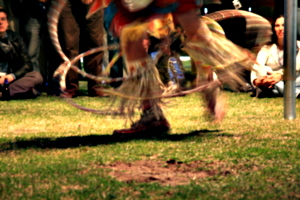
{"x":15,"y":65}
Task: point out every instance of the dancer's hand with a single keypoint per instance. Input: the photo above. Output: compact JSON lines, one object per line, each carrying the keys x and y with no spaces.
{"x":87,"y":1}
{"x":164,"y":46}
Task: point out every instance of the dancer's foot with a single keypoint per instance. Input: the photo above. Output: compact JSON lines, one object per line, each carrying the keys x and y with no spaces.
{"x":98,"y":93}
{"x":218,"y":113}
{"x":145,"y":127}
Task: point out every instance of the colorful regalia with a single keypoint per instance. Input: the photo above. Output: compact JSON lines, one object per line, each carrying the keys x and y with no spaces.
{"x":217,"y":59}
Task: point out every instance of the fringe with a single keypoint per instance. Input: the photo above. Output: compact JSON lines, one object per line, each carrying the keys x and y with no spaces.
{"x":224,"y":58}
{"x":132,"y":32}
{"x":142,"y":88}
{"x":218,"y":59}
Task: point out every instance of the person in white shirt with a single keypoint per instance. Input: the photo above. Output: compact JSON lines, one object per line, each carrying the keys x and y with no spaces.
{"x":267,"y":76}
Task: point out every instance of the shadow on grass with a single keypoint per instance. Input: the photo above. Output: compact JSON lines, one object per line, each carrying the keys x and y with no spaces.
{"x":94,"y":140}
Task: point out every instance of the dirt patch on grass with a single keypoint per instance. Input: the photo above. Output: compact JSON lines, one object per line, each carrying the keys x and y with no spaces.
{"x":171,"y":172}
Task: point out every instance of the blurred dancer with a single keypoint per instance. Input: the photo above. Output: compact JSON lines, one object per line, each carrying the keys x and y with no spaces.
{"x":207,"y":48}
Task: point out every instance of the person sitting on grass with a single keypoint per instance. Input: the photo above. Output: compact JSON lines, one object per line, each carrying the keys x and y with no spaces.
{"x":267,"y":78}
{"x":15,"y":65}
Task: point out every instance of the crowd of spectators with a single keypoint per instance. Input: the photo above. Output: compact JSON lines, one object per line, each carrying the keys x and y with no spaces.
{"x":28,"y":58}
{"x":34,"y":52}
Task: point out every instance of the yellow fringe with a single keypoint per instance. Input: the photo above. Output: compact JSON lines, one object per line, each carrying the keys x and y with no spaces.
{"x":161,"y":27}
{"x":133,"y":32}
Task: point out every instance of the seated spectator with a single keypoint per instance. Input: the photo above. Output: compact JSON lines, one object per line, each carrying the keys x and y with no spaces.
{"x":268,"y":77}
{"x":15,"y":65}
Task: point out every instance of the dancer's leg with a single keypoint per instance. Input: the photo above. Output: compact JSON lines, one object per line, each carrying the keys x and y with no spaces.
{"x":195,"y":29}
{"x":198,"y":32}
{"x":144,"y":83}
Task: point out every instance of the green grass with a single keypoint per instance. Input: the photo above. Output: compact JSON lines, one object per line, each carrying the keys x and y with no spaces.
{"x":50,"y":150}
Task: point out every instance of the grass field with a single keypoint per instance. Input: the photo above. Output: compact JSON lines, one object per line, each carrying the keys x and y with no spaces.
{"x":51,"y":150}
